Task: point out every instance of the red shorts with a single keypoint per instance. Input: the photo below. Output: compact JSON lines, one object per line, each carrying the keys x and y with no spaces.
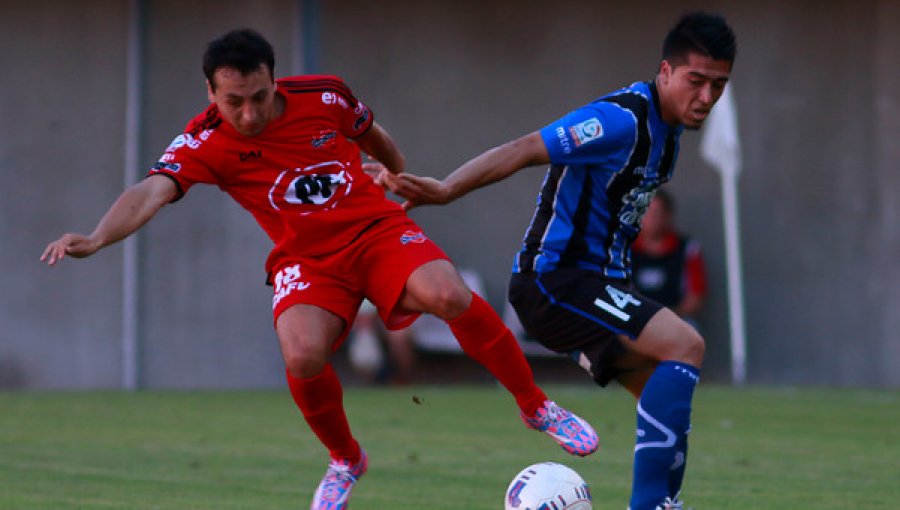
{"x":376,"y":265}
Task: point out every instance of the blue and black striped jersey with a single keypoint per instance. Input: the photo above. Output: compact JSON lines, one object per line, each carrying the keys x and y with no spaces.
{"x":607,"y":159}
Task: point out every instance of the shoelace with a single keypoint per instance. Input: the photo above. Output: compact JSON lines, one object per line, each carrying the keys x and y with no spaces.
{"x":342,"y":471}
{"x":553,"y":414}
{"x":669,"y":504}
{"x":333,"y":488}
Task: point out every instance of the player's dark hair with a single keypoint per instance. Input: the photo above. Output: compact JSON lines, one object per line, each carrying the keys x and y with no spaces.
{"x":700,"y":32}
{"x":243,"y":49}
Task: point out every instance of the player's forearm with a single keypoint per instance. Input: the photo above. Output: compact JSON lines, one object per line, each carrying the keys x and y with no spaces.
{"x":496,"y":164}
{"x":134,"y":207}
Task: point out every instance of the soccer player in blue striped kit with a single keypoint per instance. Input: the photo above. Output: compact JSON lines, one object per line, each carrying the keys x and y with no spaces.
{"x":571,"y":283}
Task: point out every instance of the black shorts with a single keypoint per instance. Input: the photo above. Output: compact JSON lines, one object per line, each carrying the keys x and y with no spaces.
{"x":581,"y":313}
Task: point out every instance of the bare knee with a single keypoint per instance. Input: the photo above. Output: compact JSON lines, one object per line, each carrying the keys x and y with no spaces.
{"x":303,"y":364}
{"x":693,"y":348}
{"x":683,"y":344}
{"x":668,"y":338}
{"x":307,"y":335}
{"x":448,"y":302}
{"x":436,"y":288}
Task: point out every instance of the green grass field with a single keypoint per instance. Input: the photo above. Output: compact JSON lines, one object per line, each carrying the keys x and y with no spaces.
{"x":434,"y":447}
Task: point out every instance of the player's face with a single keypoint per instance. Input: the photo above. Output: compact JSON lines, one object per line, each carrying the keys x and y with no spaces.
{"x":688,"y":91}
{"x":247,"y":102}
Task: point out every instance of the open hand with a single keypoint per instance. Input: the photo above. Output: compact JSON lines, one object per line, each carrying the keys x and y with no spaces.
{"x":76,"y":245}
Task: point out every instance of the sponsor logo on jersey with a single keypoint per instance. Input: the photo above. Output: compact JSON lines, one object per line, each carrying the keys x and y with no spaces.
{"x":563,"y":140}
{"x":186,"y":139}
{"x":634,"y":205}
{"x":586,"y":131}
{"x":325,"y":139}
{"x":412,"y":237}
{"x":310,"y":189}
{"x":251,"y":154}
{"x":287,"y":281}
{"x":332,"y":98}
{"x":363,"y":117}
{"x":163,"y":165}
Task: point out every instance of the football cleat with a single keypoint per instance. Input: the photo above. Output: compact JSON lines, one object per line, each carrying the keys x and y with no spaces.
{"x":572,"y":433}
{"x":671,"y":504}
{"x":333,"y":492}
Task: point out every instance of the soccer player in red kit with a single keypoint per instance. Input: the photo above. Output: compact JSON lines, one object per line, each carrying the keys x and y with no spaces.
{"x":289,"y":152}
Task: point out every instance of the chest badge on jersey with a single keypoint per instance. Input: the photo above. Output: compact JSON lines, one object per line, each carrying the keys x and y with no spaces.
{"x":310,"y":189}
{"x":325,"y":140}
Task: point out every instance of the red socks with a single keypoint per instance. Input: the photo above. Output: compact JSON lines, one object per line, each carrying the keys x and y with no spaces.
{"x":321,"y":401}
{"x":484,"y":338}
{"x":480,"y":333}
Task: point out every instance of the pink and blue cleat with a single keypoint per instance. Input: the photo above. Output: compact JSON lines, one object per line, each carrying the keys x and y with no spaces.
{"x":574,"y":434}
{"x":333,"y":492}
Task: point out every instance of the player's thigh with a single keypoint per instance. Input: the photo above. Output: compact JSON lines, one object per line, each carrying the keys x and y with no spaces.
{"x":394,"y":253}
{"x":667,"y":337}
{"x":307,"y":335}
{"x":312,"y":309}
{"x":436,"y":288}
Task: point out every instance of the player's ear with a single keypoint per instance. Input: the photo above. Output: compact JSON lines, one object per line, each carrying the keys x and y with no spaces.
{"x":665,"y":71}
{"x":209,"y":92}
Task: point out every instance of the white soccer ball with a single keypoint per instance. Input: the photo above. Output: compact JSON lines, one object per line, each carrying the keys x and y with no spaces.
{"x":548,"y":486}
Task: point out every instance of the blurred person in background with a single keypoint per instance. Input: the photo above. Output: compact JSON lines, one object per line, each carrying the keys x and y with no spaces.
{"x":667,"y":266}
{"x":369,"y":339}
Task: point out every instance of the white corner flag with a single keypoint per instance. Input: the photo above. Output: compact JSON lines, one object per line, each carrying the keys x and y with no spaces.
{"x":720,"y":146}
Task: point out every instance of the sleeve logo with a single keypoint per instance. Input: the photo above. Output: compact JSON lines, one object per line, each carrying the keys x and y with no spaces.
{"x":586,"y":131}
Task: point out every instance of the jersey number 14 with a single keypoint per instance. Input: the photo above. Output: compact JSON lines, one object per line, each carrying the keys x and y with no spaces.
{"x":621,"y":299}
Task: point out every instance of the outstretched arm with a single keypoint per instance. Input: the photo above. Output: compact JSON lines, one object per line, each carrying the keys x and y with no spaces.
{"x":134,"y":207}
{"x":494,"y":165}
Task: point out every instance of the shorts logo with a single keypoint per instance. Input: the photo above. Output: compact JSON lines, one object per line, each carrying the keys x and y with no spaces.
{"x":287,"y":281}
{"x":586,"y":131}
{"x":412,"y":237}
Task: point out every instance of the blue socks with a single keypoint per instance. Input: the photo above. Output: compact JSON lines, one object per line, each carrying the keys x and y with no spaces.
{"x":663,"y":422}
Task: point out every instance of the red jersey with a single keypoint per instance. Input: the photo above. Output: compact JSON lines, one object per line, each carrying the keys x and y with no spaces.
{"x":301,"y":178}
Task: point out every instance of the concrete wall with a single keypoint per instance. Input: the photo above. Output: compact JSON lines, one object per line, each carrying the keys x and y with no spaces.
{"x":816,"y":89}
